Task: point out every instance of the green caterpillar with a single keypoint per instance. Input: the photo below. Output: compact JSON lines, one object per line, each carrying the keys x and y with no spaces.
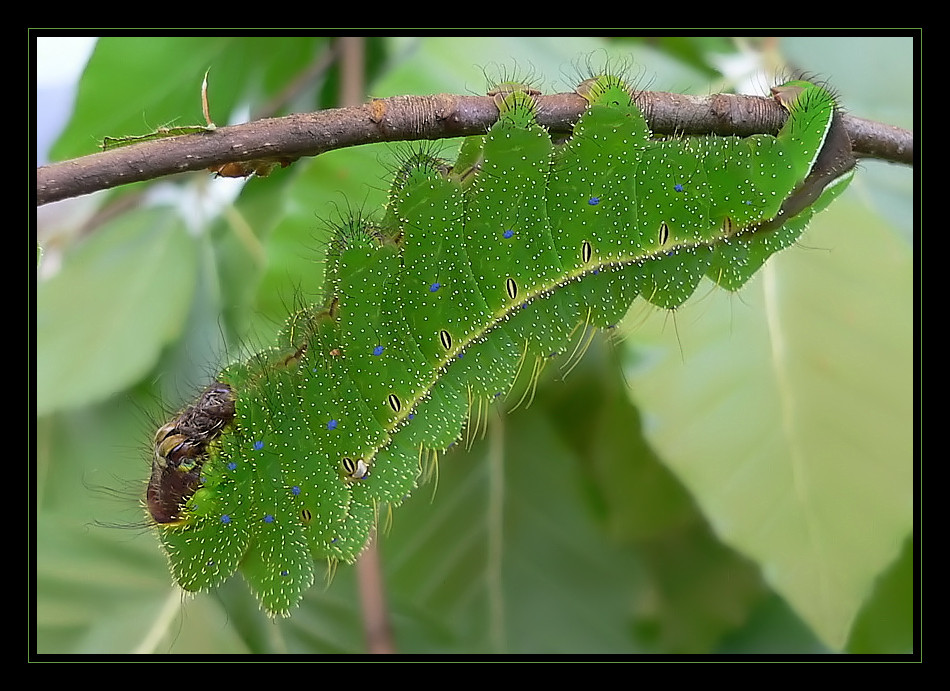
{"x":477,"y":274}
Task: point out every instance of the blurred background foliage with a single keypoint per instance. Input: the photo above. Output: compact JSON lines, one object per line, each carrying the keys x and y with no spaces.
{"x":734,"y":478}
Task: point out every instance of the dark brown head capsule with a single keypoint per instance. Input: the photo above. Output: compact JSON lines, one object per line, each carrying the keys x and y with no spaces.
{"x":180,"y":449}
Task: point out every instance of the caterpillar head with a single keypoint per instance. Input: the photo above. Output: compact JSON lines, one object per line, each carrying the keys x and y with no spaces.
{"x":180,"y":449}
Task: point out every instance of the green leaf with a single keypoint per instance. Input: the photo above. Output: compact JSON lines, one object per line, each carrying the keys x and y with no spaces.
{"x":119,"y":298}
{"x":788,"y":413}
{"x":133,"y":85}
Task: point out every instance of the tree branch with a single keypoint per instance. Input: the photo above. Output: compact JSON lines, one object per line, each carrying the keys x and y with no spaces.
{"x":408,"y":118}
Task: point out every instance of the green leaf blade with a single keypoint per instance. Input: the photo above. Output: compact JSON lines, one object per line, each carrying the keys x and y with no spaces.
{"x":790,"y":413}
{"x":103,"y":320}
